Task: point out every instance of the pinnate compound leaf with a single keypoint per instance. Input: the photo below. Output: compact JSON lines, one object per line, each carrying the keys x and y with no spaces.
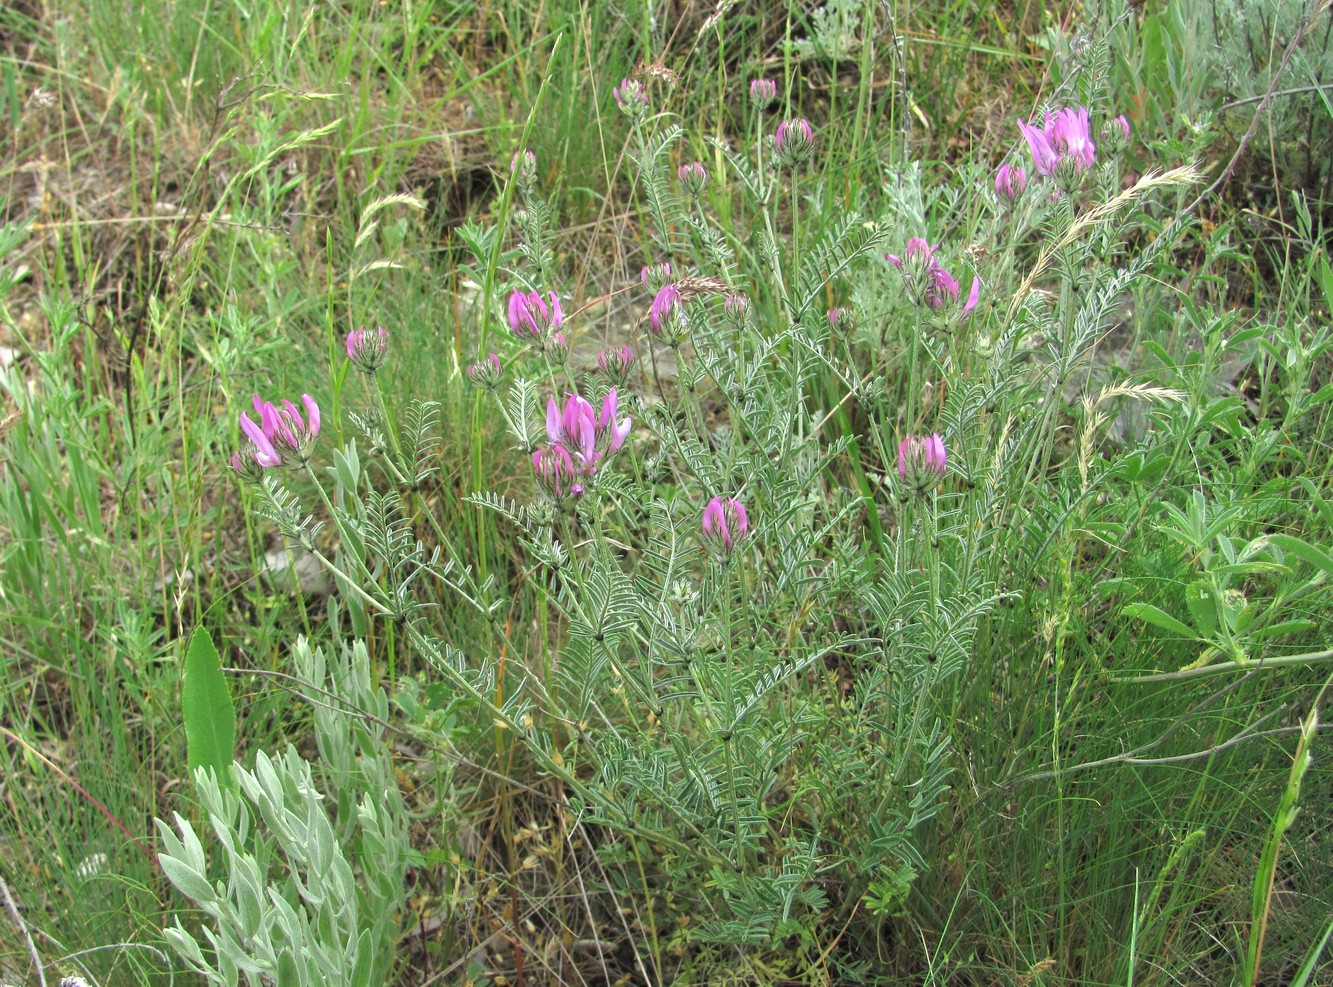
{"x":206,"y":707}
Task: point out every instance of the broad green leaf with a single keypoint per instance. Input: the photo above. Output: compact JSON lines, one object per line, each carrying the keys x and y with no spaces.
{"x":1203,"y":607}
{"x":1152,"y":615}
{"x":1304,"y":551}
{"x":206,"y":706}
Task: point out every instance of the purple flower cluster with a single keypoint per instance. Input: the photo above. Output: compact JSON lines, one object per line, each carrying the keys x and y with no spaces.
{"x":725,"y":525}
{"x":1066,"y":137}
{"x":928,"y":281}
{"x":532,"y":320}
{"x":282,"y":437}
{"x":579,"y":440}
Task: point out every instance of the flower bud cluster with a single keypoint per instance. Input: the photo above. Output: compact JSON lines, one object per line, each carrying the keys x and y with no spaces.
{"x":762,"y":93}
{"x":693,"y":178}
{"x":632,"y":98}
{"x":614,"y":365}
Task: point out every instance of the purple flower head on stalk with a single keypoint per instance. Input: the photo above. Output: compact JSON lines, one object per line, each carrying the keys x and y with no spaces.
{"x":1122,"y":122}
{"x":922,"y":461}
{"x":632,"y":98}
{"x":554,"y":470}
{"x":794,"y":141}
{"x":1065,"y":141}
{"x":1010,"y":181}
{"x":615,"y":364}
{"x":655,"y":275}
{"x":285,"y":435}
{"x":530,"y":318}
{"x":486,"y":373}
{"x":665,"y":316}
{"x":724,"y":526}
{"x":693,"y":177}
{"x":368,"y":348}
{"x":762,"y":93}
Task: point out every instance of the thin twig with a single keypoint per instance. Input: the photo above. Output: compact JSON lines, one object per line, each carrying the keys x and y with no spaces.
{"x":13,"y":910}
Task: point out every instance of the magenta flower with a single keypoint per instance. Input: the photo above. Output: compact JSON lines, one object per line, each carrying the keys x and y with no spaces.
{"x":282,"y":435}
{"x":486,"y":373}
{"x":610,"y":434}
{"x":1010,"y":181}
{"x":1066,"y":136}
{"x":1122,"y":122}
{"x":530,"y":318}
{"x":724,"y":526}
{"x":665,"y":309}
{"x":368,"y":348}
{"x":922,"y":461}
{"x":584,"y":436}
{"x":575,"y":428}
{"x":763,"y":92}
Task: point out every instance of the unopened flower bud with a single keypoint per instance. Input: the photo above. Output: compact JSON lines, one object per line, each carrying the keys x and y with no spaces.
{"x":693,"y":177}
{"x":367,"y":348}
{"x":762,"y":93}
{"x":615,"y":364}
{"x":1010,"y":181}
{"x":842,"y":320}
{"x":922,"y":461}
{"x":655,"y":276}
{"x":736,"y":310}
{"x":487,"y":373}
{"x":794,"y":142}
